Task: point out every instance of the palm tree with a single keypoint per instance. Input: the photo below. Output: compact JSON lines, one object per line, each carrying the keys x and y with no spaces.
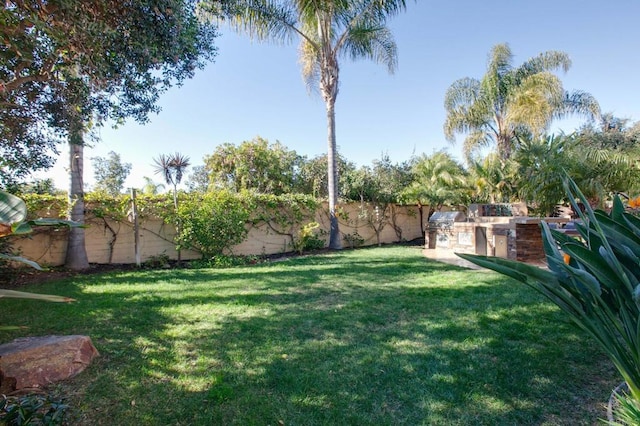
{"x":438,"y":180}
{"x":327,"y":31}
{"x":172,"y":168}
{"x":510,"y":102}
{"x":493,"y":180}
{"x":150,"y":187}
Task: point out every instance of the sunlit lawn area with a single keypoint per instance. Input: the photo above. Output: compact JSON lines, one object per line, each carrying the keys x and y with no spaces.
{"x":368,"y":337}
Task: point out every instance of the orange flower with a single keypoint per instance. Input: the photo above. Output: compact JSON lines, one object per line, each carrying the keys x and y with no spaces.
{"x":634,"y":203}
{"x":566,"y":258}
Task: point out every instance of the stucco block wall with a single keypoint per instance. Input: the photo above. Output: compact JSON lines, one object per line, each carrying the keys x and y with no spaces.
{"x":110,"y":241}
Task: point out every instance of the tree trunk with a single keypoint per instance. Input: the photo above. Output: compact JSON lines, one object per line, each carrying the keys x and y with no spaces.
{"x":76,"y":257}
{"x":335,"y":242}
{"x":504,"y":147}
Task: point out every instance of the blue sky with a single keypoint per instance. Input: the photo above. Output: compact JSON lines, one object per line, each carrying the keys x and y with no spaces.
{"x":256,"y":89}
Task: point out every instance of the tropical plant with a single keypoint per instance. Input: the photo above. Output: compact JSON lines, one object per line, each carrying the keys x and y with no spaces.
{"x":438,"y":180}
{"x":595,"y":280}
{"x":150,"y":187}
{"x":328,"y":30}
{"x":172,"y":168}
{"x":492,"y":180}
{"x":13,"y":212}
{"x":600,"y":172}
{"x":511,"y":102}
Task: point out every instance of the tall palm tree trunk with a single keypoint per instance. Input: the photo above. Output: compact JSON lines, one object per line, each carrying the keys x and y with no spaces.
{"x":332,"y":176}
{"x":76,"y":257}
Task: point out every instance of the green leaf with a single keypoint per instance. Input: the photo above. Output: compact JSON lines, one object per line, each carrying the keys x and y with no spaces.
{"x":517,"y":270}
{"x":21,"y":228}
{"x":12,"y":208}
{"x":594,"y":263}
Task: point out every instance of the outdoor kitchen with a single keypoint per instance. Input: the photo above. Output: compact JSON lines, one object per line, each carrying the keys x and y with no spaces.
{"x":502,"y":230}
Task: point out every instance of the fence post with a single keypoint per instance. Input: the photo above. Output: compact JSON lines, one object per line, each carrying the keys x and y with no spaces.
{"x":136,"y":236}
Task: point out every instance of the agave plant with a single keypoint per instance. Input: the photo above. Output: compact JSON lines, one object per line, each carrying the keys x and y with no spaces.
{"x":13,"y":212}
{"x":596,"y":280}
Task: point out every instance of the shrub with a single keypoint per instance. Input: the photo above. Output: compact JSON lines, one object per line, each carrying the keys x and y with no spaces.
{"x":308,"y":239}
{"x":596,"y":281}
{"x":212,"y":223}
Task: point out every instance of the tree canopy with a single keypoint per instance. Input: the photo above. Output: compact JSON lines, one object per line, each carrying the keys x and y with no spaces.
{"x":110,"y":173}
{"x":254,"y":165}
{"x":510,"y":102}
{"x":107,"y":58}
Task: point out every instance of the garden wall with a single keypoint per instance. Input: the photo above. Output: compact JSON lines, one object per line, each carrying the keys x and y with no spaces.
{"x":109,"y":241}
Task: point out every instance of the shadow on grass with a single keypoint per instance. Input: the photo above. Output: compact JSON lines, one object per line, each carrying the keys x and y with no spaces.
{"x":379,"y":337}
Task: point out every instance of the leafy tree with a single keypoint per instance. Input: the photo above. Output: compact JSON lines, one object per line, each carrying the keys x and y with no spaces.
{"x":327,"y":30}
{"x":380,"y":186}
{"x":198,"y":180}
{"x":611,"y":133}
{"x":83,"y":62}
{"x":110,"y":173}
{"x":511,"y":102}
{"x":314,"y":179}
{"x":254,"y":165}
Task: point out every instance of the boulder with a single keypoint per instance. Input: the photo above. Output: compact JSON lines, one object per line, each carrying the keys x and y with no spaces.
{"x":38,"y":361}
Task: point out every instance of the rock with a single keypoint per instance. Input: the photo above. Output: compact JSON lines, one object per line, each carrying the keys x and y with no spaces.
{"x":39,"y":361}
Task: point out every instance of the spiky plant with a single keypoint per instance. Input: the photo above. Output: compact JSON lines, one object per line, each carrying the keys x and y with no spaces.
{"x":596,"y":280}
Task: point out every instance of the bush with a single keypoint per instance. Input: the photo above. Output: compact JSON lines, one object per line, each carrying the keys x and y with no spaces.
{"x":308,"y":239}
{"x":596,"y":281}
{"x":212,"y":223}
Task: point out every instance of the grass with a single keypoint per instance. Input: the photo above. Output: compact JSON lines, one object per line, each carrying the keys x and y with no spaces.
{"x":368,"y":337}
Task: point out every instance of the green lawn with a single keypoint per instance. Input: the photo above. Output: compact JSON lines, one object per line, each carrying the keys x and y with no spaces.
{"x":368,"y":337}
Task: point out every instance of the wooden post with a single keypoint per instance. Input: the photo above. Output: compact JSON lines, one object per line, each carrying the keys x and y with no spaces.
{"x":136,"y":236}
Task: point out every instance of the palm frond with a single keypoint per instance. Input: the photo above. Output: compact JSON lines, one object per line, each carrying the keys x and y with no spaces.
{"x":372,"y":42}
{"x":266,"y":20}
{"x":578,"y":102}
{"x":544,"y":62}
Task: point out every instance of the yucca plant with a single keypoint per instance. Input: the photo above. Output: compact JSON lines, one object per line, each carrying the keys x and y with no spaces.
{"x":596,"y":280}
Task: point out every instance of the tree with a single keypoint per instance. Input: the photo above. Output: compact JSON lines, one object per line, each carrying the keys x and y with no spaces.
{"x":438,"y":180}
{"x":327,"y":30}
{"x":81,"y":63}
{"x":493,"y":180}
{"x":150,"y":187}
{"x":611,"y":133}
{"x":543,"y":163}
{"x":172,"y":169}
{"x":198,"y":179}
{"x":512,"y":102}
{"x":110,"y":173}
{"x":314,"y":179}
{"x":257,"y":165}
{"x":379,"y":185}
